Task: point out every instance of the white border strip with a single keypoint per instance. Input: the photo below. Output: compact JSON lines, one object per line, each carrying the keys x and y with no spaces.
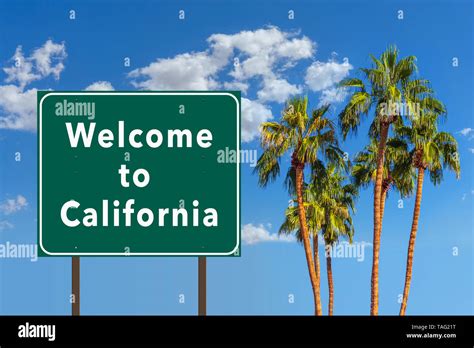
{"x":131,"y":253}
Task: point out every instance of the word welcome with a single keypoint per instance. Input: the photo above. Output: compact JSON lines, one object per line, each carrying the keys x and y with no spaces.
{"x":153,"y":138}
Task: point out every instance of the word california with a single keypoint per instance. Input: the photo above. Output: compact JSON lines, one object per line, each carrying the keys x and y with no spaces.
{"x":73,"y":216}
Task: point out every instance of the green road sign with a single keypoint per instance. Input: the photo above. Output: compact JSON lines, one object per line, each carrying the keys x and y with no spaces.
{"x":139,"y":173}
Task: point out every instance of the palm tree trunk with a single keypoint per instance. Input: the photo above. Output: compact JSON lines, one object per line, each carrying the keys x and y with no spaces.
{"x":317,"y":270}
{"x":330,"y":283}
{"x":382,"y":207}
{"x":411,"y":243}
{"x":374,"y":291}
{"x":305,"y":236}
{"x":76,"y":285}
{"x":202,"y":286}
{"x":383,"y":199}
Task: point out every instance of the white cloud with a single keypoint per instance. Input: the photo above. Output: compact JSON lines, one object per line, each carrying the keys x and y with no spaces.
{"x":253,"y":114}
{"x":236,"y":85}
{"x":188,"y":71}
{"x":332,"y":95}
{"x":13,"y":205}
{"x":320,"y":76}
{"x":248,"y":56}
{"x":44,"y":61}
{"x":260,"y":53}
{"x":49,"y":58}
{"x":261,"y":49}
{"x":100,"y":86}
{"x":17,"y":105}
{"x":277,"y":90}
{"x":471,"y":150}
{"x":5,"y":225}
{"x":252,"y":234}
{"x":467,"y":132}
{"x":22,"y":69}
{"x":263,"y":41}
{"x":19,"y":108}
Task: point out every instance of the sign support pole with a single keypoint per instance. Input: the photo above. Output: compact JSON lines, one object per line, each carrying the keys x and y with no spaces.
{"x":76,"y":285}
{"x":202,"y":288}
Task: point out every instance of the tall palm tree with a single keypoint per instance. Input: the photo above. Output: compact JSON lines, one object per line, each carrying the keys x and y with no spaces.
{"x":314,"y":218}
{"x":432,"y":151}
{"x":306,"y":138}
{"x":337,"y":201}
{"x":328,"y":203}
{"x":364,"y":170}
{"x":386,"y":82}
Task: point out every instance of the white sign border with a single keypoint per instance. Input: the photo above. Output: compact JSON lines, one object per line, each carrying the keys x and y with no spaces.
{"x":40,"y":226}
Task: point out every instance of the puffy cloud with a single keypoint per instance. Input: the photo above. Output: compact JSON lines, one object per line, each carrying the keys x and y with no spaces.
{"x":49,"y":58}
{"x":260,"y":54}
{"x":261,"y":49}
{"x":252,"y":234}
{"x":19,"y":108}
{"x":44,"y":61}
{"x":320,"y":76}
{"x":471,"y":150}
{"x":247,"y":56}
{"x":253,"y":114}
{"x":236,"y":85}
{"x":188,"y":71}
{"x":332,"y":95}
{"x":13,"y":205}
{"x":17,"y":105}
{"x":253,"y":53}
{"x":22,"y":69}
{"x":100,"y":86}
{"x":277,"y":90}
{"x":264,"y":41}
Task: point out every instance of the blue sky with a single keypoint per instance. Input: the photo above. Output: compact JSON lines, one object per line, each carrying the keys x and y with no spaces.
{"x":304,"y":55}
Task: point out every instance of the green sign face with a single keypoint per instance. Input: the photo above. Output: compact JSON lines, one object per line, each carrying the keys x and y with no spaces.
{"x":139,"y":173}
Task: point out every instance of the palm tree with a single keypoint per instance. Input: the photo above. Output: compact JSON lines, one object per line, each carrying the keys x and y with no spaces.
{"x":395,"y":173}
{"x":305,"y":138}
{"x":432,"y":151}
{"x":337,"y":201}
{"x":314,"y":217}
{"x":328,"y":203}
{"x":387,"y":81}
